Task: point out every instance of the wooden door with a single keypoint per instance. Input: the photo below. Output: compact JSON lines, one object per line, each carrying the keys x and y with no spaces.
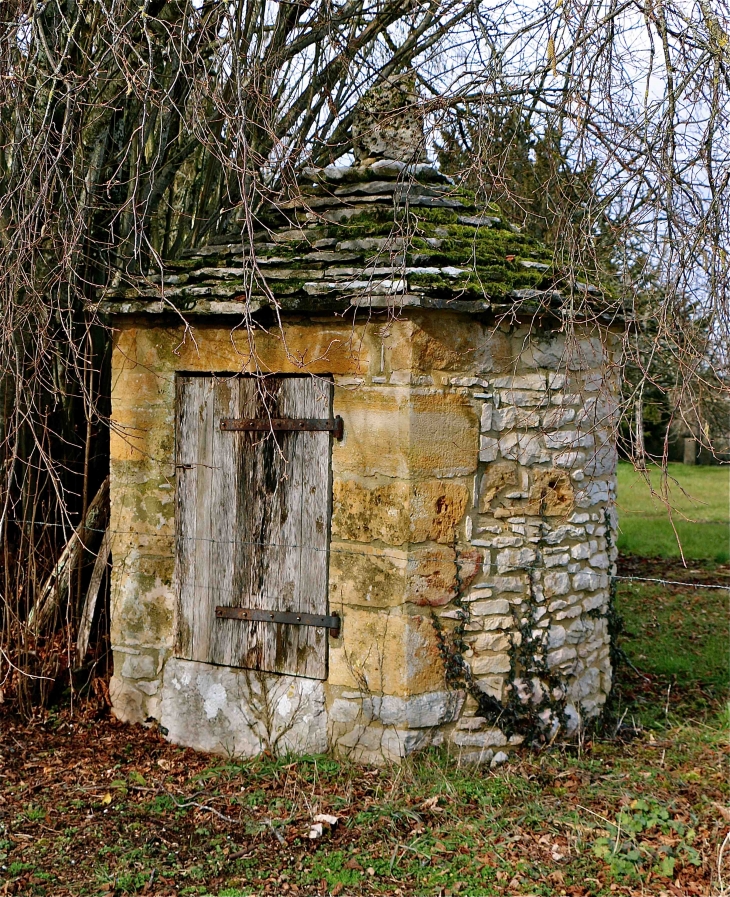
{"x":253,"y":514}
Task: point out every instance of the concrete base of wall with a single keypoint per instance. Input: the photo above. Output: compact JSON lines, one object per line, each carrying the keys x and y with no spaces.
{"x":241,"y":712}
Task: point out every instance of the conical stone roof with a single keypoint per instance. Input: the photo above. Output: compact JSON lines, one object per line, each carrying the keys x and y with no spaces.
{"x":382,"y":232}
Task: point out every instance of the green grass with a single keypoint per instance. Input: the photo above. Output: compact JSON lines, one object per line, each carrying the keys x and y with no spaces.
{"x":684,"y":506}
{"x":678,"y":639}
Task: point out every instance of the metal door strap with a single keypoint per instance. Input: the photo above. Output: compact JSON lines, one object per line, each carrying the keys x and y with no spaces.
{"x":332,"y":425}
{"x":331,"y":622}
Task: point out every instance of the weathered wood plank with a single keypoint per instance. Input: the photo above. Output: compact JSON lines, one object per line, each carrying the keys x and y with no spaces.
{"x":194,"y":480}
{"x":309,"y":645}
{"x":92,"y":594}
{"x":223,"y":497}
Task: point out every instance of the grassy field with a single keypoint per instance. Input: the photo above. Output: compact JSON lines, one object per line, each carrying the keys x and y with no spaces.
{"x":687,"y":506}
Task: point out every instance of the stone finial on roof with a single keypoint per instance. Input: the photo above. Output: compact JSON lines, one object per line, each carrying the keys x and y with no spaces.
{"x":388,"y":122}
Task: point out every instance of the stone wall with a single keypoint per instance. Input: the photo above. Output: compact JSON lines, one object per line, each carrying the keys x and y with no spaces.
{"x":471,"y":548}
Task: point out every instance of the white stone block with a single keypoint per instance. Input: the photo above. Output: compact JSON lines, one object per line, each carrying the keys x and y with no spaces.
{"x":602,"y":461}
{"x":568,"y":439}
{"x":568,"y":613}
{"x":515,"y":559}
{"x":566,"y":399}
{"x":489,"y":641}
{"x":507,"y":542}
{"x":342,"y":711}
{"x":140,"y":666}
{"x":592,"y":494}
{"x":600,"y":561}
{"x":488,"y":448}
{"x":491,"y":685}
{"x":506,"y":583}
{"x":511,"y":418}
{"x":230,"y":711}
{"x":594,"y":602}
{"x":563,"y":655}
{"x":556,"y":583}
{"x":556,"y":636}
{"x":556,"y":560}
{"x":418,"y":712}
{"x":520,"y":381}
{"x":489,"y":738}
{"x":568,"y":460}
{"x":497,"y":622}
{"x":525,"y":398}
{"x":560,"y":533}
{"x":471,"y":723}
{"x":486,"y":421}
{"x":489,"y":607}
{"x":557,"y":417}
{"x":490,"y":664}
{"x":586,"y":581}
{"x":579,"y":631}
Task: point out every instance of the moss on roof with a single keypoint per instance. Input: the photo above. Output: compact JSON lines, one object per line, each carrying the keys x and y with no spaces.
{"x":381,"y":233}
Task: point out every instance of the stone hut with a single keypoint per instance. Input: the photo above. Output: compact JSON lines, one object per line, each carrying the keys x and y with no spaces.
{"x":363,"y":479}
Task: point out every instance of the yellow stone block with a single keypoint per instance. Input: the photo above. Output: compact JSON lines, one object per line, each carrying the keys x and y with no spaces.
{"x":456,"y":343}
{"x":142,"y":507}
{"x":398,"y":512}
{"x":431,"y":576}
{"x":551,"y":494}
{"x":366,"y":576}
{"x":366,"y":513}
{"x":141,"y":434}
{"x":444,"y":435}
{"x":396,"y":340}
{"x":134,"y":386}
{"x":377,"y":432}
{"x":142,"y":597}
{"x":124,"y":343}
{"x":497,"y":476}
{"x":437,"y":507}
{"x":386,"y":654}
{"x":302,"y":347}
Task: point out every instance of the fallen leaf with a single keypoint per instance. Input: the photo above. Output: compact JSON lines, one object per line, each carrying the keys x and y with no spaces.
{"x":107,"y":799}
{"x":353,"y":864}
{"x":723,"y":811}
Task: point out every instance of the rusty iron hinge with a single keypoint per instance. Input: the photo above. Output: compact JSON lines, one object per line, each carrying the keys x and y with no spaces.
{"x":331,"y":622}
{"x":332,"y":425}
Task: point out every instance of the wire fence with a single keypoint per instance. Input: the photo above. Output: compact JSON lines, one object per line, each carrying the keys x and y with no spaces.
{"x":330,"y":549}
